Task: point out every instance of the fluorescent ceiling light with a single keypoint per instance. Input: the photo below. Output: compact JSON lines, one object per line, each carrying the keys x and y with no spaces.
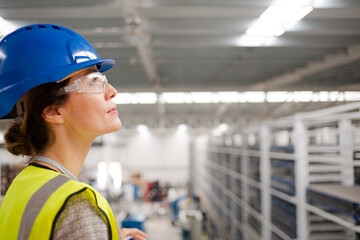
{"x":176,"y":97}
{"x":122,"y":98}
{"x":305,"y":96}
{"x":352,"y":96}
{"x":204,"y":97}
{"x":334,"y":96}
{"x":231,"y":97}
{"x":258,"y":32}
{"x":302,"y":13}
{"x":315,"y":97}
{"x":277,"y":96}
{"x":146,"y":98}
{"x":182,"y":128}
{"x":142,"y":128}
{"x":220,"y":129}
{"x":275,"y":18}
{"x":251,"y":41}
{"x":223,"y":127}
{"x":274,"y":21}
{"x":135,"y":98}
{"x":255,"y":97}
{"x":298,"y":16}
{"x":227,"y":97}
{"x":323,"y":96}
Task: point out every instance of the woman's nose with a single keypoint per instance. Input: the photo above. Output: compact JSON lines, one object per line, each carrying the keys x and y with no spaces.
{"x":110,"y":91}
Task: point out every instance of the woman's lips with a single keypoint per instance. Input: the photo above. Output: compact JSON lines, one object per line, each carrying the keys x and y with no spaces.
{"x":113,"y":110}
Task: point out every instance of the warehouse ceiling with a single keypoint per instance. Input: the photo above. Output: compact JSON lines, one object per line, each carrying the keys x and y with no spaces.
{"x":195,"y":46}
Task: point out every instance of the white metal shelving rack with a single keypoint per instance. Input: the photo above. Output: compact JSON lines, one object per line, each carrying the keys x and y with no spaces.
{"x":257,"y":179}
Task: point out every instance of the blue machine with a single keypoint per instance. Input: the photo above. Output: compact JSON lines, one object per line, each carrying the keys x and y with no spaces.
{"x":134,"y":220}
{"x":175,"y":208}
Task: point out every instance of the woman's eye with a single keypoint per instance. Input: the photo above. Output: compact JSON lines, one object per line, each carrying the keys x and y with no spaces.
{"x":96,"y":81}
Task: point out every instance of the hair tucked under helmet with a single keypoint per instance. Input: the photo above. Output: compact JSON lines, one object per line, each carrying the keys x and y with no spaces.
{"x":32,"y":135}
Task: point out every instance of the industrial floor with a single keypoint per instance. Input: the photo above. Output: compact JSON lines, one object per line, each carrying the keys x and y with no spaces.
{"x":158,"y":220}
{"x":159,"y":227}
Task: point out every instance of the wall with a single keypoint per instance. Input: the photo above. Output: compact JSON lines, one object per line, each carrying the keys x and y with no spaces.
{"x":7,"y":158}
{"x":157,"y":156}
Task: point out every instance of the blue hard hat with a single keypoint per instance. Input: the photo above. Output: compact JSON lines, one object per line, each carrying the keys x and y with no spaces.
{"x":38,"y":54}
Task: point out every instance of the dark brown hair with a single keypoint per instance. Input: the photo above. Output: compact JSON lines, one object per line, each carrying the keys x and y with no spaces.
{"x":33,"y":134}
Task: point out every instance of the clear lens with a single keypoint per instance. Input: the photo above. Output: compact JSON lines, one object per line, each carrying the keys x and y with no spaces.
{"x":91,"y":83}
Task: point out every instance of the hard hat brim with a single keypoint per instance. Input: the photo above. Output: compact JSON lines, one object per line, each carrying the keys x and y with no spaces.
{"x":15,"y":91}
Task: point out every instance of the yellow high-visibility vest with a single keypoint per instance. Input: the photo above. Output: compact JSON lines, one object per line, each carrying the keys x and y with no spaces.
{"x":34,"y":200}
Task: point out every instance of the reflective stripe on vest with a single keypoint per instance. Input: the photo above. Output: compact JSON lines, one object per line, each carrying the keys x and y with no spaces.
{"x":34,"y":200}
{"x":35,"y":204}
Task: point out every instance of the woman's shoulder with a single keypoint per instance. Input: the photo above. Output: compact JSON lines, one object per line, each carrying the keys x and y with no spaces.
{"x":80,"y":219}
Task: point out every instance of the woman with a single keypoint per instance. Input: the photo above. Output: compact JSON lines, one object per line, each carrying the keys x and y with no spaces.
{"x":51,"y":84}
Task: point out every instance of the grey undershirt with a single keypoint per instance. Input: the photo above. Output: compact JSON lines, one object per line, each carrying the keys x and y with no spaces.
{"x":81,"y":220}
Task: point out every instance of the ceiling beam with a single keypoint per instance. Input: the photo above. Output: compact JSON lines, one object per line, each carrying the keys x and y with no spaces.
{"x":143,"y":40}
{"x":135,"y":31}
{"x":280,"y":109}
{"x":329,"y":61}
{"x":236,"y":3}
{"x":222,"y":109}
{"x":303,"y":29}
{"x":198,"y":12}
{"x":32,"y":13}
{"x":246,"y":3}
{"x":233,"y":41}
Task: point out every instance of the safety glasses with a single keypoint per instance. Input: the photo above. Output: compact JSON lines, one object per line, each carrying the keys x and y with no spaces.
{"x":92,"y":83}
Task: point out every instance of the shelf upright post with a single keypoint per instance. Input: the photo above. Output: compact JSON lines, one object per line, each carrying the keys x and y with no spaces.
{"x":245,"y":167}
{"x":301,"y":176}
{"x":346,"y":150}
{"x":265,"y":173}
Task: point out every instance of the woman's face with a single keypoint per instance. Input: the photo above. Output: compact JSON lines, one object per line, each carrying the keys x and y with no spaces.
{"x":91,"y":114}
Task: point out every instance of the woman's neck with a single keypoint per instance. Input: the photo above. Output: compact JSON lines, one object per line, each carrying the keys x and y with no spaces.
{"x":70,"y":154}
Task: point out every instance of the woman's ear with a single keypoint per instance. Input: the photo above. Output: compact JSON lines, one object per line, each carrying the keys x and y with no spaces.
{"x":52,"y":114}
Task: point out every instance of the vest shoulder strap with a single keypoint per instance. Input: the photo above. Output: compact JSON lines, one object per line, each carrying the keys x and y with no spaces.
{"x":35,"y":204}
